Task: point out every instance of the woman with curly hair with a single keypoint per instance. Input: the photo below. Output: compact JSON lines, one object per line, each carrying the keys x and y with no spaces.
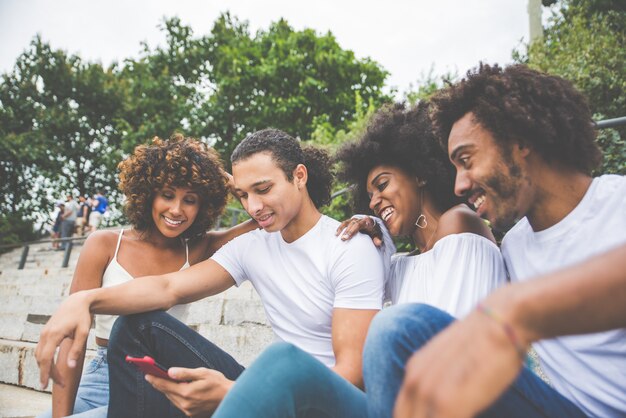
{"x":175,"y":190}
{"x":404,"y":177}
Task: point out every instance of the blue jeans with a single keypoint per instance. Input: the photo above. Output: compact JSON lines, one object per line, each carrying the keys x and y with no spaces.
{"x":92,"y":396}
{"x":171,"y":343}
{"x":397,"y":332}
{"x":287,"y":382}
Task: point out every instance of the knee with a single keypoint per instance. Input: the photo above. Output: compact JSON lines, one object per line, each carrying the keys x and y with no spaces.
{"x":282,"y":353}
{"x":130,"y":325}
{"x":288,"y":363}
{"x":395,"y":324}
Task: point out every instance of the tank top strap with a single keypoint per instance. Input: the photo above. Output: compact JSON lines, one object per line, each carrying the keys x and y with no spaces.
{"x":119,"y":241}
{"x":186,"y":253}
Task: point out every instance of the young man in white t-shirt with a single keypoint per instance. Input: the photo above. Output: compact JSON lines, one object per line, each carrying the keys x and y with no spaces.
{"x":523,"y":146}
{"x":319,"y":293}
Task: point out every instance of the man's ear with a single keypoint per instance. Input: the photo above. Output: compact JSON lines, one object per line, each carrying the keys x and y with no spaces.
{"x":300,"y":175}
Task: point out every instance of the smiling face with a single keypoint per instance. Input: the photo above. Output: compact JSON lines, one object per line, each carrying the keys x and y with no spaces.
{"x":174,"y":210}
{"x":394,"y":197}
{"x":491,"y":177}
{"x":266,"y":193}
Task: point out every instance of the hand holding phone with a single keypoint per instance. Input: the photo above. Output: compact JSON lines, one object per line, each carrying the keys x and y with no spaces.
{"x":149,"y":366}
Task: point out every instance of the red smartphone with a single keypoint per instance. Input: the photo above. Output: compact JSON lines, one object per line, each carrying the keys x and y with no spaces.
{"x":147,"y":365}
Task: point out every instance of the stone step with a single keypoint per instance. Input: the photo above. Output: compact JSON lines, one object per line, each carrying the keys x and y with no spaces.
{"x":18,"y":365}
{"x":20,"y":402}
{"x":244,"y":342}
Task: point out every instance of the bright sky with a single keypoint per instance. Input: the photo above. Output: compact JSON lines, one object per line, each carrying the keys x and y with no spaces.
{"x":407,"y":37}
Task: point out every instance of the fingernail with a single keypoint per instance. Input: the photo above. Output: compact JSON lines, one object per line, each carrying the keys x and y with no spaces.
{"x":71,"y":363}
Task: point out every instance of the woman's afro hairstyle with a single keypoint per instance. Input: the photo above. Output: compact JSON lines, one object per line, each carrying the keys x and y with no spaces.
{"x":401,"y":137}
{"x":177,"y":162}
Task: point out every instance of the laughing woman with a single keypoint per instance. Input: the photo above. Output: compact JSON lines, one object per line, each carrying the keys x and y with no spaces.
{"x":403,"y":176}
{"x":175,"y":190}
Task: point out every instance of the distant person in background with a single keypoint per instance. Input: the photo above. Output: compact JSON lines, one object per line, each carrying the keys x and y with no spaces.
{"x":56,"y":228}
{"x":169,"y":214}
{"x":69,"y":220}
{"x":99,"y":205}
{"x":83,"y":215}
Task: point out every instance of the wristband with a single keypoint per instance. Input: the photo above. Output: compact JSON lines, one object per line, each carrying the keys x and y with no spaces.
{"x":506,"y":327}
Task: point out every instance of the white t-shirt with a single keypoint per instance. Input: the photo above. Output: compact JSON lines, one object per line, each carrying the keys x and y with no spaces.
{"x":301,"y":282}
{"x":589,"y":370}
{"x":458,"y":272}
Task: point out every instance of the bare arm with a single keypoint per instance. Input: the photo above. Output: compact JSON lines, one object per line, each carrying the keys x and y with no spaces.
{"x":88,"y":275}
{"x":219,"y":238}
{"x":73,"y":318}
{"x":349,"y":329}
{"x":449,"y":377}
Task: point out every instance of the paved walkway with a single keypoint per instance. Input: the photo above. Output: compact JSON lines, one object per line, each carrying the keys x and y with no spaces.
{"x":18,"y":402}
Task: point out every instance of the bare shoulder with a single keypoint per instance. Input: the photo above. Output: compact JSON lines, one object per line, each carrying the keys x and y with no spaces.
{"x":459,"y":219}
{"x":94,"y":257}
{"x":103,"y":239}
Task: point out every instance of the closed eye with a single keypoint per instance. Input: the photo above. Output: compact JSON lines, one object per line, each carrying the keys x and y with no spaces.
{"x":382,"y":185}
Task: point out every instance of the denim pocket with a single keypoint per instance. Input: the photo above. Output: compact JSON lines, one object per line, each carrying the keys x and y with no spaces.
{"x":94,"y":364}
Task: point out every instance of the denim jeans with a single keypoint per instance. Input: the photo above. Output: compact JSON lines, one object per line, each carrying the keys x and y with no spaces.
{"x":171,"y":343}
{"x":287,"y":382}
{"x":92,"y":396}
{"x":397,"y":332}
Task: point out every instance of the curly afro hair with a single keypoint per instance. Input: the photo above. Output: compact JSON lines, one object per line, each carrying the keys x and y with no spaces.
{"x":520,"y":105}
{"x":400,"y":137}
{"x":177,"y":162}
{"x":287,"y":153}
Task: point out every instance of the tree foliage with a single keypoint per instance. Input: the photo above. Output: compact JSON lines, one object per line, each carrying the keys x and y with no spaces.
{"x":57,"y":119}
{"x":66,"y":123}
{"x":282,"y":78}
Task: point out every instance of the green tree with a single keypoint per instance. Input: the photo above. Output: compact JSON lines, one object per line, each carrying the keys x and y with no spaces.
{"x":282,"y":78}
{"x":428,"y":84}
{"x":58,"y":133}
{"x":163,"y":88}
{"x":584,"y":42}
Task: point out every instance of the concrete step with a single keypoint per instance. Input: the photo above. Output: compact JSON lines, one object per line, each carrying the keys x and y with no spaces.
{"x":18,"y":365}
{"x":19,"y":402}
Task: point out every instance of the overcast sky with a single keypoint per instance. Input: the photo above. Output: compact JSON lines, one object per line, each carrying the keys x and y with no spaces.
{"x":406,"y":37}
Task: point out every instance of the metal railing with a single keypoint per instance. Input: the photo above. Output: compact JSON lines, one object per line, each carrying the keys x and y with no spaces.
{"x":235,"y":212}
{"x":611,"y":123}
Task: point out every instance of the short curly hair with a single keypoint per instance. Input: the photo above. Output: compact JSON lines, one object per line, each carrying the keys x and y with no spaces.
{"x":402,"y":137}
{"x":518,"y":104}
{"x":287,"y":153}
{"x":177,"y":162}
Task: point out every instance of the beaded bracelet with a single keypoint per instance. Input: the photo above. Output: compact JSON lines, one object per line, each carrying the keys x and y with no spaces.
{"x":506,"y":327}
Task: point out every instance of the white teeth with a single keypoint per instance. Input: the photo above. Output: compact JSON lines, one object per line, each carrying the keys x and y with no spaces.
{"x":386,"y":214}
{"x":171,"y":221}
{"x":479,"y":201}
{"x":264,"y":217}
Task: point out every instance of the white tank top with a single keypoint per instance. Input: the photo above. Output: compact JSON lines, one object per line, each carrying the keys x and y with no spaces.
{"x":116,"y":274}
